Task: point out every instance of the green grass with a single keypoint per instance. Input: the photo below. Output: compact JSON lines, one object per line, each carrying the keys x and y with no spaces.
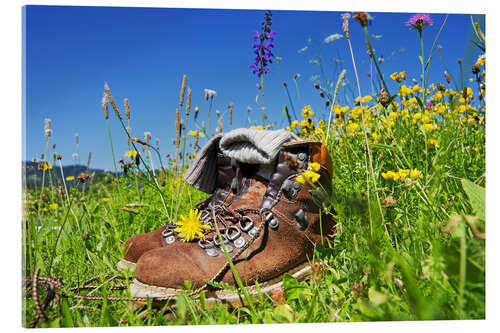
{"x":414,"y":250}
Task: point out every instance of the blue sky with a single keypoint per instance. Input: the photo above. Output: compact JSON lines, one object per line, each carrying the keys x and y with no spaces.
{"x":142,"y":54}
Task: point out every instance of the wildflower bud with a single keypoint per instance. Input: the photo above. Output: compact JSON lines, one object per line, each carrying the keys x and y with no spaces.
{"x":53,"y":146}
{"x":316,"y":86}
{"x":127,"y":108}
{"x":327,"y":104}
{"x":59,"y":157}
{"x":284,"y":84}
{"x":390,"y":138}
{"x":358,"y":288}
{"x":380,"y":157}
{"x":441,"y":87}
{"x":42,"y":156}
{"x":440,"y":49}
{"x":82,"y":178}
{"x":476,"y":69}
{"x":459,"y":61}
{"x":398,"y":283}
{"x":322,"y":94}
{"x":447,"y":76}
{"x":362,"y":18}
{"x":295,"y":76}
{"x":384,"y":96}
{"x":230,"y":106}
{"x":196,"y":110}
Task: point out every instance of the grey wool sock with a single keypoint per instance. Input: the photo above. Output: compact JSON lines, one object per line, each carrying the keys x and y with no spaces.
{"x":242,"y":144}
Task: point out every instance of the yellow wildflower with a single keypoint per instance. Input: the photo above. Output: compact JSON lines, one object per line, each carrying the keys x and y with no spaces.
{"x":352,"y":128}
{"x":191,"y":226}
{"x":415,"y":173}
{"x":53,"y":206}
{"x":313,"y":166}
{"x":106,"y":199}
{"x":402,"y":75}
{"x":395,"y":77}
{"x":131,"y":153}
{"x":432,"y":143}
{"x":428,"y":127}
{"x":196,"y":133}
{"x":70,"y":178}
{"x":294,"y":124}
{"x":308,"y":176}
{"x":403,"y":173}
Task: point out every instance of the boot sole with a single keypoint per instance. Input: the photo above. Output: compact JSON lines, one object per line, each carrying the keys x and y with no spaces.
{"x":124,"y":265}
{"x":234,"y":299}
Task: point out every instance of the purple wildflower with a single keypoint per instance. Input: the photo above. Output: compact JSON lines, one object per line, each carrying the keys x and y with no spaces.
{"x":429,"y":105}
{"x":419,"y":21}
{"x":263,"y":47}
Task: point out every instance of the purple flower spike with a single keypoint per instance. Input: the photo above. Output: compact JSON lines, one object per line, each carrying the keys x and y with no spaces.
{"x":419,"y":21}
{"x":262,"y":50}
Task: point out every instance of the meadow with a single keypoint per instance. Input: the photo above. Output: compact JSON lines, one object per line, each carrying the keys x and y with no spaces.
{"x":408,"y":200}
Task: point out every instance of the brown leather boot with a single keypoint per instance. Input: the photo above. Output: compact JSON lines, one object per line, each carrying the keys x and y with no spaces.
{"x":165,"y":235}
{"x":269,"y":227}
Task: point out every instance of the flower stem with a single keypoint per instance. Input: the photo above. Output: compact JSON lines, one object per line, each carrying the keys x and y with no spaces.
{"x":372,"y":55}
{"x":263,"y":108}
{"x":423,"y":67}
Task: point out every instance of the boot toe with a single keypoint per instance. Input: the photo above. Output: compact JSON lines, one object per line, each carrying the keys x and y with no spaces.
{"x":136,"y":245}
{"x":168,"y":267}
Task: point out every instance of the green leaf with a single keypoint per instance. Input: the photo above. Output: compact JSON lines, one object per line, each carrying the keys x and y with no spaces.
{"x":291,"y":287}
{"x":420,"y":103}
{"x":476,"y":196}
{"x":478,"y":45}
{"x":421,"y":59}
{"x":67,"y":319}
{"x":376,"y":297}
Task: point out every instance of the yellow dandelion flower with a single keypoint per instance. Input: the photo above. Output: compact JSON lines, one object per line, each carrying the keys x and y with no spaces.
{"x":191,"y":226}
{"x":53,"y":206}
{"x":294,"y":124}
{"x":402,"y":75}
{"x":70,"y":178}
{"x":106,"y":199}
{"x":131,"y":153}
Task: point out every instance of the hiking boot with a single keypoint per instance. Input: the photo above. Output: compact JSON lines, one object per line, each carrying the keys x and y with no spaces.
{"x":218,"y":185}
{"x":269,"y":228}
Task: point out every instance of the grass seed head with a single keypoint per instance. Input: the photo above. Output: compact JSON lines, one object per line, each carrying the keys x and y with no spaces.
{"x":105,"y":106}
{"x":127,"y":108}
{"x":112,"y":101}
{"x":188,"y":103}
{"x":345,"y":24}
{"x":183,"y":89}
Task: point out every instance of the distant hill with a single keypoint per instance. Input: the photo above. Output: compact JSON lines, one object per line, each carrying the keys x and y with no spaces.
{"x":32,"y":176}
